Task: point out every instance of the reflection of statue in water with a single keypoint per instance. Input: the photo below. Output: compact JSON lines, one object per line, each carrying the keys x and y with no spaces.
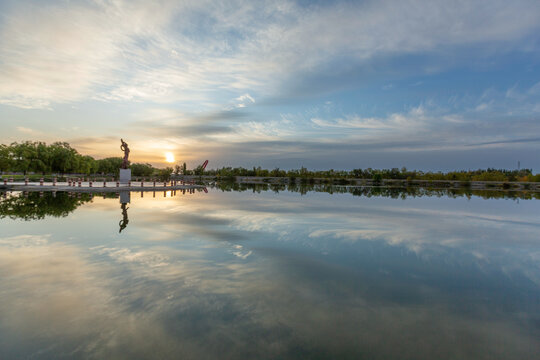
{"x":125,"y":149}
{"x":124,"y":222}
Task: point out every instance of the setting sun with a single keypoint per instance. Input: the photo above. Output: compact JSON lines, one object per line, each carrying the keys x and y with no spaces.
{"x":169,"y":157}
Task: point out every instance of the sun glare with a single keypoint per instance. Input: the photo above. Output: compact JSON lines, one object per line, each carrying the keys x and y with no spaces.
{"x":169,"y":157}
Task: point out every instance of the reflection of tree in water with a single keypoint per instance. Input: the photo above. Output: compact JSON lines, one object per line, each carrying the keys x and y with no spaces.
{"x":36,"y":206}
{"x":124,"y":222}
{"x":378,"y":191}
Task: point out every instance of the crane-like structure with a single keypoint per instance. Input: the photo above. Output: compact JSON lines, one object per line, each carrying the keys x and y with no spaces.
{"x":203,"y":166}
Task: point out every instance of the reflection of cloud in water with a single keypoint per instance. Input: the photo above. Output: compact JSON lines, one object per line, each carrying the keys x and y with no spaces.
{"x":201,"y":298}
{"x":148,"y":258}
{"x":56,"y":302}
{"x":198,"y":308}
{"x":234,"y":216}
{"x":428,"y":228}
{"x":25,"y":240}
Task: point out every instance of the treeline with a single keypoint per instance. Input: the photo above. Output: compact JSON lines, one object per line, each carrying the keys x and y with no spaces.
{"x":378,"y":174}
{"x":61,"y":158}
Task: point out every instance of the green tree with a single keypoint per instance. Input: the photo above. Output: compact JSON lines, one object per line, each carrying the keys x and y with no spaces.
{"x":165,"y":174}
{"x":198,"y":170}
{"x":23,"y":154}
{"x":377,"y":178}
{"x":62,"y":157}
{"x":5,"y":158}
{"x":87,"y":165}
{"x":142,"y":169}
{"x":41,"y":161}
{"x":110,"y":166}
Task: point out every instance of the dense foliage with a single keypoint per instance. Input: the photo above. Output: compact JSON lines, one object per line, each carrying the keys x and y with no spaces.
{"x":142,"y":169}
{"x":60,"y":158}
{"x":377,"y":175}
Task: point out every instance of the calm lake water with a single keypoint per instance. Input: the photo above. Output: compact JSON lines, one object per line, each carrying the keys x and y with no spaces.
{"x":264,"y":274}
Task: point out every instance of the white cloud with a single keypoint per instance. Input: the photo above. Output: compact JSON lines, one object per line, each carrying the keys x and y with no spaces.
{"x":24,"y":130}
{"x":482,"y":107}
{"x":260,"y":131}
{"x":414,"y":119}
{"x":168,"y":51}
{"x":243,"y":100}
{"x":245,"y":97}
{"x":242,"y":255}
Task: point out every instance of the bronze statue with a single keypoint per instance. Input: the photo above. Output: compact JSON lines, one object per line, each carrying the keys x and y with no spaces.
{"x":124,"y":147}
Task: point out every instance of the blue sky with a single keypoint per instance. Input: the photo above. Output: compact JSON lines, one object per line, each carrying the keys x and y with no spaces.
{"x":431,"y":85}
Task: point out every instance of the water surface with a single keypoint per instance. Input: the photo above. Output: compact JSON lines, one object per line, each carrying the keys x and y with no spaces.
{"x":266,"y":274}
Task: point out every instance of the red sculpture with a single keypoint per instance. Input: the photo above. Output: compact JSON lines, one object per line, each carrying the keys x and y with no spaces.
{"x":125,"y":149}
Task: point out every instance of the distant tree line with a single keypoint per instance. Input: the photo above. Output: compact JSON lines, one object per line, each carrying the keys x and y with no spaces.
{"x":61,"y":158}
{"x":379,"y":174}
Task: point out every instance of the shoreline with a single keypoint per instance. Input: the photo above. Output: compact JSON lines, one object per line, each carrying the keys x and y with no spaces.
{"x":401,"y":183}
{"x":208,"y":180}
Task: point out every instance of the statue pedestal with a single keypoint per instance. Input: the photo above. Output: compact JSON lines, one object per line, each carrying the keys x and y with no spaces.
{"x":125,"y":197}
{"x":125,"y":176}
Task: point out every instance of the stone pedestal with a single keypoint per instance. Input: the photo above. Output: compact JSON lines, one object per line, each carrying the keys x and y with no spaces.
{"x":125,"y":197}
{"x":125,"y":176}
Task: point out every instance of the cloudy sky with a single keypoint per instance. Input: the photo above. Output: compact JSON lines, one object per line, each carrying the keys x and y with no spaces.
{"x":431,"y":85}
